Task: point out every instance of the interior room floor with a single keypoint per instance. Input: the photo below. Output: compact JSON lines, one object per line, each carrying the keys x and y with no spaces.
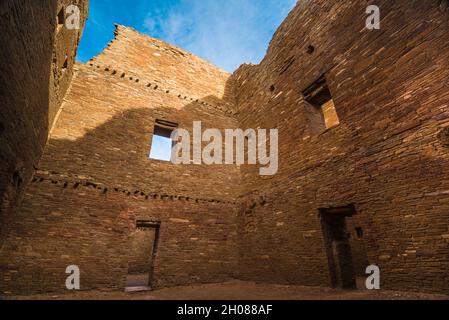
{"x":241,"y":290}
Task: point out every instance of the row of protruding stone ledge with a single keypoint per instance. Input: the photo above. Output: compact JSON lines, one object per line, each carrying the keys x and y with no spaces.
{"x":75,"y":184}
{"x":156,"y":87}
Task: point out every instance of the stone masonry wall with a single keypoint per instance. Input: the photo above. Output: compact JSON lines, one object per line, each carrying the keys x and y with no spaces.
{"x":66,"y":223}
{"x":95,"y":178}
{"x":387,"y":157}
{"x":33,"y":49}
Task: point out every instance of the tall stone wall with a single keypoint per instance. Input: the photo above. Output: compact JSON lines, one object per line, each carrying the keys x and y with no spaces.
{"x":387,"y":156}
{"x":37,"y":55}
{"x":95,"y":178}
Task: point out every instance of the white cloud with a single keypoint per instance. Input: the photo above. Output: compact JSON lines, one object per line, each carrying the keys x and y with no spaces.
{"x":227,"y":33}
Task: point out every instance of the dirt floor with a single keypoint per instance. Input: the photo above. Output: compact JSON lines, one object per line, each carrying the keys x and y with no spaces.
{"x":240,"y":290}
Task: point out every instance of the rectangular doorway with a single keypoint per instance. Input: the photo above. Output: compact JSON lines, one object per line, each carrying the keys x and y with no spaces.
{"x":144,"y":243}
{"x":337,"y":245}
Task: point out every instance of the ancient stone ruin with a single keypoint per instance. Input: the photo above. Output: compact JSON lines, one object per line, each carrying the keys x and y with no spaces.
{"x":363,"y":176}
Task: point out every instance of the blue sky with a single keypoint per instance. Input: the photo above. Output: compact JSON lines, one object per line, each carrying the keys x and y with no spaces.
{"x":161,"y":148}
{"x":224,"y":32}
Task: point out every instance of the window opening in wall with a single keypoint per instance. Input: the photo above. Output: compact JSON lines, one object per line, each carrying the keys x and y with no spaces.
{"x":161,"y":144}
{"x":359,"y":232}
{"x":65,"y":64}
{"x":61,"y":17}
{"x":310,"y":49}
{"x":321,"y":109}
{"x":17,"y":179}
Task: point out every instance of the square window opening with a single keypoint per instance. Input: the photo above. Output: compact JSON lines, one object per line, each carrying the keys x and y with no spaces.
{"x":321,"y":108}
{"x":161,"y":144}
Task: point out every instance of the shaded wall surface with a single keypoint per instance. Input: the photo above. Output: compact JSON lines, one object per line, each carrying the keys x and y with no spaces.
{"x":95,"y":179}
{"x":390,"y":90}
{"x":37,"y":55}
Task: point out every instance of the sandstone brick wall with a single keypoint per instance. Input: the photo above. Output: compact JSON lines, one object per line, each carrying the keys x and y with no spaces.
{"x":33,"y":49}
{"x":62,"y":225}
{"x":95,"y":177}
{"x":388,"y":157}
{"x":166,"y":66}
{"x":390,"y":91}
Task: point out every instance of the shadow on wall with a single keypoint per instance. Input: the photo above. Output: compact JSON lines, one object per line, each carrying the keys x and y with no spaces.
{"x":24,"y":92}
{"x":412,"y":213}
{"x":116,"y":153}
{"x":36,"y":70}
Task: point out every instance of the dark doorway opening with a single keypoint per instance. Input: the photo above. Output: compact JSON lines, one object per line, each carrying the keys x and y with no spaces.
{"x":144,"y":244}
{"x":338,"y":247}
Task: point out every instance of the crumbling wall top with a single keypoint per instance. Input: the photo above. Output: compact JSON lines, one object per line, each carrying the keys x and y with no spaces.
{"x":155,"y":60}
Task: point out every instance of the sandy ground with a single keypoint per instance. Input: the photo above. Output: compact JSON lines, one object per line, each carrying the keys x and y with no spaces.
{"x":240,"y":290}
